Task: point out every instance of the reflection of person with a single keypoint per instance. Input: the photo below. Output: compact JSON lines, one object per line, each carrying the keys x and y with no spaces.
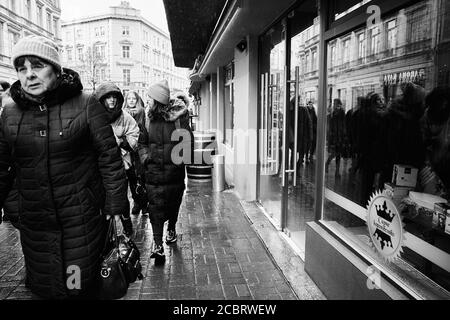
{"x":4,"y":91}
{"x":336,"y":135}
{"x":134,"y":105}
{"x":436,"y":132}
{"x":313,"y":141}
{"x":367,"y":128}
{"x":125,"y":130}
{"x":68,"y":169}
{"x":402,"y":141}
{"x":164,"y":177}
{"x":304,"y":131}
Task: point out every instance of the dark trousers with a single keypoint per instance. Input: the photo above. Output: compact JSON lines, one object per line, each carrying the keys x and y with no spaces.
{"x":158,"y":224}
{"x":133,"y":179}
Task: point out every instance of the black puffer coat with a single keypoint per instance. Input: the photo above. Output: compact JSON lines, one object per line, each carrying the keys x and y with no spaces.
{"x":164,"y":180}
{"x":68,"y":167}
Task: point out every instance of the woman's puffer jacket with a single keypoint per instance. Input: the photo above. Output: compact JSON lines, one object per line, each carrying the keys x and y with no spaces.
{"x":164,"y":179}
{"x":69,"y":175}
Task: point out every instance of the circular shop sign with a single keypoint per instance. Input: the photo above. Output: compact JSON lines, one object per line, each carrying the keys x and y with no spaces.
{"x":385,"y":226}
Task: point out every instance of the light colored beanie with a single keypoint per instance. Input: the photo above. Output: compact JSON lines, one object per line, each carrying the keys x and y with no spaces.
{"x":37,"y":46}
{"x":160,"y":91}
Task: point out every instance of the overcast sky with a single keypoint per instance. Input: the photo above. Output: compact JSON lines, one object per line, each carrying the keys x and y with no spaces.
{"x":152,"y":10}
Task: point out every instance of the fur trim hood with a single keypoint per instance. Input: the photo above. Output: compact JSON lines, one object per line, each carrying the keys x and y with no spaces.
{"x":171,"y":112}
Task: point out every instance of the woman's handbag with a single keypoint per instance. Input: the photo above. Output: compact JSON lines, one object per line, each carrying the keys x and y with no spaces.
{"x":113,"y":281}
{"x":129,"y":253}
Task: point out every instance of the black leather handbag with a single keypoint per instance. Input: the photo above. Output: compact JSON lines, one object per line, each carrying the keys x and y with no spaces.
{"x":130,"y":255}
{"x":113,"y":281}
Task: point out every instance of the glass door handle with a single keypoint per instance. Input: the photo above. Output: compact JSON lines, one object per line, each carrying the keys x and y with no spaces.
{"x":294,"y":152}
{"x":286,"y":102}
{"x":261,"y":142}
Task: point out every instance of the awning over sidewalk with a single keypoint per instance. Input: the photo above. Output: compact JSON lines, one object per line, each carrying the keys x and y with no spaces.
{"x":191,"y":24}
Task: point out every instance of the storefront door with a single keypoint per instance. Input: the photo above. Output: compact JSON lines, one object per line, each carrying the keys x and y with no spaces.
{"x":272,"y":102}
{"x":302,"y":119}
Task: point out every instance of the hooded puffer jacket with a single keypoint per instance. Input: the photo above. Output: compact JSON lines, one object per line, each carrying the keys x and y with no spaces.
{"x":164,"y":178}
{"x":124,"y":126}
{"x":68,"y":171}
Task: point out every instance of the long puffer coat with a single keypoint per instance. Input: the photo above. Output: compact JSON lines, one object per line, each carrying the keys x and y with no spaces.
{"x":164,"y":179}
{"x":123,"y":124}
{"x":69,"y":171}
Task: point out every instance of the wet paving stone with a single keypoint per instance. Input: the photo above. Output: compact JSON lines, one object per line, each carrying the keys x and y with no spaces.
{"x":218,"y":256}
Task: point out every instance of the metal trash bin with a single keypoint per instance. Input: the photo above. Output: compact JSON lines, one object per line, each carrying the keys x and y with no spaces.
{"x":218,"y":172}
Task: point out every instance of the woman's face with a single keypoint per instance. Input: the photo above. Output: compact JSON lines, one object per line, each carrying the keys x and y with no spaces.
{"x":131,"y":100}
{"x":110,"y":101}
{"x":37,"y":78}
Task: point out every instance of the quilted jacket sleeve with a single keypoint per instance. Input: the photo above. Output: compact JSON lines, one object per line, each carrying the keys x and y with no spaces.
{"x":6,"y":172}
{"x":143,"y":147}
{"x":109,"y":159}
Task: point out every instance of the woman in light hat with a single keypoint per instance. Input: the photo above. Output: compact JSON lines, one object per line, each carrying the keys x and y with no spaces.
{"x":57,"y":141}
{"x":165,"y":168}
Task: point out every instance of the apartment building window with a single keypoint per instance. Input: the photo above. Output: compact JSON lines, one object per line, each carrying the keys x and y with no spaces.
{"x":346,"y":53}
{"x":80,"y":54}
{"x":145,"y":53}
{"x":97,"y":32}
{"x":103,"y":74}
{"x":12,"y":5}
{"x":99,"y":51}
{"x":126,"y":77}
{"x":375,"y":41}
{"x":39,"y":15}
{"x":307,"y":62}
{"x":79,"y":34}
{"x":126,"y":51}
{"x":125,"y":31}
{"x":361,"y":45}
{"x":69,"y":54}
{"x":13,"y":39}
{"x":333,"y":55}
{"x":391,"y":35}
{"x":314,"y":60}
{"x":419,"y":25}
{"x":102,"y":31}
{"x":145,"y":36}
{"x":49,"y":22}
{"x":55,"y":27}
{"x":28,"y":9}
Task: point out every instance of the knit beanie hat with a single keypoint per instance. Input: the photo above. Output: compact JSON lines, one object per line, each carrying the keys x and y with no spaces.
{"x":160,"y":91}
{"x":37,"y":46}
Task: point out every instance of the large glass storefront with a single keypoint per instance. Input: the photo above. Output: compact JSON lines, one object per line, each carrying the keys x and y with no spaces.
{"x":386,"y":114}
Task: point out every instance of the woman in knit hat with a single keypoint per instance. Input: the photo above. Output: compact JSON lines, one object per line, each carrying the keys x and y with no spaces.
{"x":56,"y":142}
{"x":134,"y":105}
{"x":164,"y":153}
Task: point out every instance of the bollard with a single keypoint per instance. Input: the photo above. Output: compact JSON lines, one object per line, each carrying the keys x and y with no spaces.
{"x":218,"y":172}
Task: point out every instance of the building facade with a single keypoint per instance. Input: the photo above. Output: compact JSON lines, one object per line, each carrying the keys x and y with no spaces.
{"x":253,"y":77}
{"x":121,"y":47}
{"x":20,"y":18}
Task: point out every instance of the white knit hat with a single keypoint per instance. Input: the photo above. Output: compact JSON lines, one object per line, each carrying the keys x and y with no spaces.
{"x":160,"y":91}
{"x":37,"y":46}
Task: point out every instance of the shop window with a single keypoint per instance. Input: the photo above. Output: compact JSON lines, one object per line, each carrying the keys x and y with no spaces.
{"x":390,"y":139}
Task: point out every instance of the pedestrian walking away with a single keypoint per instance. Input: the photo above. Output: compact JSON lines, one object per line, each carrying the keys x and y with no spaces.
{"x":57,"y":145}
{"x":164,"y":174}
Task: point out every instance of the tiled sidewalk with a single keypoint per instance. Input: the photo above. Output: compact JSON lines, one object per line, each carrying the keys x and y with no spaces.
{"x":218,"y":256}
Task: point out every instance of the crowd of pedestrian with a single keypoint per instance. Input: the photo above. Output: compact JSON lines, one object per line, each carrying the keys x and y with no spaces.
{"x":68,"y":158}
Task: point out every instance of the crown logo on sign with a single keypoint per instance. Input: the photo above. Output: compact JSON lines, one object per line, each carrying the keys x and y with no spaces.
{"x":383,"y":212}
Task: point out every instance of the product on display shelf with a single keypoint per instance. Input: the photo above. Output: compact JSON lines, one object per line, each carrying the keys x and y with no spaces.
{"x":404,"y":176}
{"x":397,"y":193}
{"x":441,"y":211}
{"x":425,"y":200}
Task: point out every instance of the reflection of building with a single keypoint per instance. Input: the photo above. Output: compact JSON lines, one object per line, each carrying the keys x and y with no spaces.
{"x":23,"y":18}
{"x":121,"y":47}
{"x":266,"y":41}
{"x":403,"y":43}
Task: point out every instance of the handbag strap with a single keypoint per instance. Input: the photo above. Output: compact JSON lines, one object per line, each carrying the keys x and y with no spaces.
{"x":111,"y":234}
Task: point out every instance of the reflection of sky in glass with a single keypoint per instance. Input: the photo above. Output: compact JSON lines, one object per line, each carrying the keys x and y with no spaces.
{"x":356,"y":6}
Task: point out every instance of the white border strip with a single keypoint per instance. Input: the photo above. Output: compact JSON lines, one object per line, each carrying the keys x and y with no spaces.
{"x":423,"y":248}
